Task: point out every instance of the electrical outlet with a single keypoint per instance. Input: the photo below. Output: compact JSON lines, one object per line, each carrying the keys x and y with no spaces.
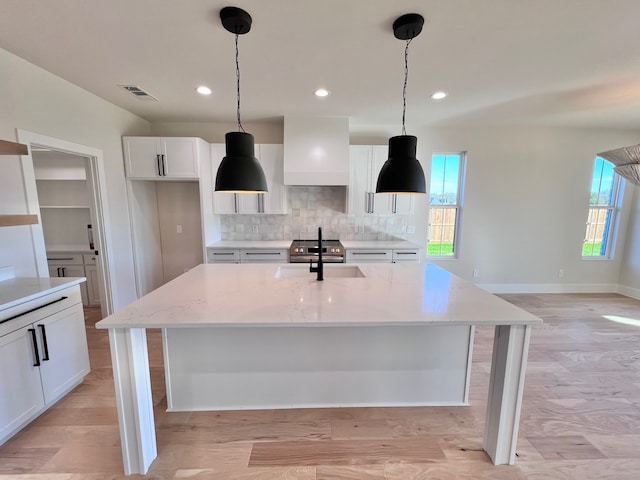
{"x":360,"y":229}
{"x":411,"y":229}
{"x":178,"y":228}
{"x":561,"y":273}
{"x":476,"y":272}
{"x":255,"y":229}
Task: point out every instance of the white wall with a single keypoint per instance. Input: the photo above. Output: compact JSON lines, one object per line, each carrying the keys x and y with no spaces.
{"x":34,"y":100}
{"x":630,"y":271}
{"x":525,"y":205}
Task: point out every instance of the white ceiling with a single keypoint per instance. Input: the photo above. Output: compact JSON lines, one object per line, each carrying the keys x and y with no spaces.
{"x":503,"y":62}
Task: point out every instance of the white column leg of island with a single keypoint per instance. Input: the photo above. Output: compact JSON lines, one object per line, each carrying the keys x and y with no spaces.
{"x":132,"y":380}
{"x":506,"y":385}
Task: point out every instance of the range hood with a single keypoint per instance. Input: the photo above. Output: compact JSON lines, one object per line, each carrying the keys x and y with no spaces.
{"x":316,"y":150}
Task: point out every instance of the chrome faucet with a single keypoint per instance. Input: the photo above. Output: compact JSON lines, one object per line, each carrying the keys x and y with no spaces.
{"x":320,"y":268}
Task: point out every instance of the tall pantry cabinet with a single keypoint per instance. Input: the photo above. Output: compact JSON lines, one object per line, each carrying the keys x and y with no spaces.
{"x":170,"y":199}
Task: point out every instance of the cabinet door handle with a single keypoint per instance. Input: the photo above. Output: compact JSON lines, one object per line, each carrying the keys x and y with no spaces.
{"x":158,"y":162}
{"x":45,"y":357}
{"x":394,"y":203}
{"x":373,"y":202}
{"x":164,"y":167}
{"x":58,"y":270}
{"x":35,"y":346}
{"x":235,"y":202}
{"x":64,"y":271}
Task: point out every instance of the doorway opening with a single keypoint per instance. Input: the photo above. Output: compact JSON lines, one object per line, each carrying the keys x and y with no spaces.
{"x":65,"y":187}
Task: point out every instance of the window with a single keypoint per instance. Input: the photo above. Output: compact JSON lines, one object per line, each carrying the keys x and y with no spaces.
{"x":445,"y":203}
{"x":603,"y":204}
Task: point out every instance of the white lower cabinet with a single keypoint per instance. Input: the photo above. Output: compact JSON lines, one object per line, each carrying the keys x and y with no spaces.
{"x":369,"y":255}
{"x":264,"y":256}
{"x":251,"y":255}
{"x":21,"y":396}
{"x":77,"y":264}
{"x":44,"y":354}
{"x":383,"y":255}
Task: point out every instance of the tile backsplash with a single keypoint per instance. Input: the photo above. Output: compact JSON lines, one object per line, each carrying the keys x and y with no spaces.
{"x":310,"y":208}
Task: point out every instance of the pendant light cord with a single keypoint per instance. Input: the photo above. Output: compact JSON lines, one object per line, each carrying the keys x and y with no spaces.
{"x":240,"y":127}
{"x":404,"y":88}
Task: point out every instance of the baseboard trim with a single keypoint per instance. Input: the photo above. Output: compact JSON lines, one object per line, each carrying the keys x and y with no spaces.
{"x":629,"y":292}
{"x":552,"y":288}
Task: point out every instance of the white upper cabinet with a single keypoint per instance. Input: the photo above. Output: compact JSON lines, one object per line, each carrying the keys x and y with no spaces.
{"x":158,"y":158}
{"x":365,"y":164}
{"x":273,"y":202}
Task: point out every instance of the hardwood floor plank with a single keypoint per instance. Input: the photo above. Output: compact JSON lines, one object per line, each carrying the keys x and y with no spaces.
{"x":297,"y":473}
{"x":365,"y":472}
{"x":345,"y":452}
{"x":568,"y":447}
{"x":16,"y":460}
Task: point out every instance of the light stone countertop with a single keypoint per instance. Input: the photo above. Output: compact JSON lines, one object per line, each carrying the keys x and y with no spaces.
{"x":15,"y":291}
{"x":236,"y":295}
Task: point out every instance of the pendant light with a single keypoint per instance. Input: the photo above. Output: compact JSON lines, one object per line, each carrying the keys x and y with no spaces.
{"x":402,"y":172}
{"x":626,"y":161}
{"x":239,"y":171}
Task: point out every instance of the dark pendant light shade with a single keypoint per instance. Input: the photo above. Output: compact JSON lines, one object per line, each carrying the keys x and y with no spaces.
{"x":240,"y":171}
{"x":402,"y":172}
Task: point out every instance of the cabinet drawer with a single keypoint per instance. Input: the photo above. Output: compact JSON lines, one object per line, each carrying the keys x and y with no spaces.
{"x":222,"y":255}
{"x":29,"y":312}
{"x":369,"y":255}
{"x":64,"y":258}
{"x":406,"y":255}
{"x":89,"y":259}
{"x":264,"y":256}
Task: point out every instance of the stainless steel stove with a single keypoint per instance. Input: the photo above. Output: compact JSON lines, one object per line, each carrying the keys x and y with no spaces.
{"x":303,"y":251}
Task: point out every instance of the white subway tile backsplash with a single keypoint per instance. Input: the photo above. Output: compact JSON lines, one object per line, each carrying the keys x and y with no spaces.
{"x":310,"y":208}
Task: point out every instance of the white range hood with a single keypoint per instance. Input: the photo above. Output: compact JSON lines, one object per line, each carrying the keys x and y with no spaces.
{"x":316,"y":151}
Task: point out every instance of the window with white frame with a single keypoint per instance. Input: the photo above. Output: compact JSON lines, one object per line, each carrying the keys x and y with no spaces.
{"x":445,"y":203}
{"x":603,"y":206}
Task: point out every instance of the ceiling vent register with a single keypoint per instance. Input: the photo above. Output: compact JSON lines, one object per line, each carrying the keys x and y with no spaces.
{"x":139,"y":93}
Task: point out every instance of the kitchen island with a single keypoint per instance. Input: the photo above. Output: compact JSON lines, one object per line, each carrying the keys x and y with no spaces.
{"x":271,"y":336}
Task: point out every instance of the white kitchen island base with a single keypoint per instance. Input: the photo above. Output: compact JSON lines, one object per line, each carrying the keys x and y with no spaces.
{"x":418,"y":306}
{"x":302,"y":367}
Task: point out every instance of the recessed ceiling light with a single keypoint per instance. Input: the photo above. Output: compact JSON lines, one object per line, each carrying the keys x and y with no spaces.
{"x":439,"y":95}
{"x":202,"y":90}
{"x":321,"y":92}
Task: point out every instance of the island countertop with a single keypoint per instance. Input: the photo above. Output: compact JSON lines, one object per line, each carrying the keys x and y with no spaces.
{"x":250,"y":295}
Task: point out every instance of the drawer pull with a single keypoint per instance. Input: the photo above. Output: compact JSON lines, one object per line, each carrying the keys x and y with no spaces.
{"x":45,"y":357}
{"x":59,"y":259}
{"x":35,"y":346}
{"x":406,"y":253}
{"x":263,"y":253}
{"x":369,"y":253}
{"x":223,"y":253}
{"x":33,"y":309}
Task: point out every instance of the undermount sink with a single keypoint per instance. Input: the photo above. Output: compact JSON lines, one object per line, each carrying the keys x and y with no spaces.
{"x":330,"y":271}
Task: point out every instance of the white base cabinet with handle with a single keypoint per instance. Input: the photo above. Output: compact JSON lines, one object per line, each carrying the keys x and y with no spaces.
{"x":365,"y":164}
{"x":77,"y":264}
{"x":43,"y":350}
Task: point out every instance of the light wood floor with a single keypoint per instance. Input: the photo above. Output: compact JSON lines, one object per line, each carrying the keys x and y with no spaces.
{"x":580,"y":418}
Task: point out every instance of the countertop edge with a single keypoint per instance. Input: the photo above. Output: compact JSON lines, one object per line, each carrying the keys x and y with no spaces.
{"x":71,"y":281}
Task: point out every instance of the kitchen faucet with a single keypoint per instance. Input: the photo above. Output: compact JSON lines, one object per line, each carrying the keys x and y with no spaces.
{"x":320,"y":268}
